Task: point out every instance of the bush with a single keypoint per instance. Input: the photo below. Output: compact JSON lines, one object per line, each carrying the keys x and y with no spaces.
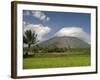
{"x":55,"y":49}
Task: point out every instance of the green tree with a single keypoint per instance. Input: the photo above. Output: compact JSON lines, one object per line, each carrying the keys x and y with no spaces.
{"x":29,"y":38}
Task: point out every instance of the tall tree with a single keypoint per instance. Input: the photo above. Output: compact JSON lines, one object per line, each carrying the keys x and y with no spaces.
{"x":29,"y":38}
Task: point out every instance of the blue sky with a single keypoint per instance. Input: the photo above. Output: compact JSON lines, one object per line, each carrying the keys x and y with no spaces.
{"x":57,"y":21}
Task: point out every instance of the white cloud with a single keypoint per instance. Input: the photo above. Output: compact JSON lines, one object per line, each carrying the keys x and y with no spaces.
{"x":74,"y":32}
{"x":40,"y":15}
{"x":25,"y":24}
{"x":37,"y":14}
{"x":48,"y":18}
{"x":39,"y":29}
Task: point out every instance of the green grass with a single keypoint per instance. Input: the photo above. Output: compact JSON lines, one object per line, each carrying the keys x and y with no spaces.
{"x":52,"y":60}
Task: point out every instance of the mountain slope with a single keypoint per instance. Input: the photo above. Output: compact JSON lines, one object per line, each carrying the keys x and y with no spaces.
{"x":64,"y":42}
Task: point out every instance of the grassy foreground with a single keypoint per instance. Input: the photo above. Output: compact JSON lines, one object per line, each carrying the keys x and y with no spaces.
{"x":52,"y":60}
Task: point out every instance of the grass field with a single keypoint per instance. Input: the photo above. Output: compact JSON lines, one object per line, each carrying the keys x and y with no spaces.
{"x":52,"y":60}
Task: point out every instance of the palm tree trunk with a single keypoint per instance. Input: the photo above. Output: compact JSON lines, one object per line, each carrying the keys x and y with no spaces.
{"x":29,"y":45}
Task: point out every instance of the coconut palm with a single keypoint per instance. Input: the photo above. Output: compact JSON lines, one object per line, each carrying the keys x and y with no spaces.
{"x":29,"y":38}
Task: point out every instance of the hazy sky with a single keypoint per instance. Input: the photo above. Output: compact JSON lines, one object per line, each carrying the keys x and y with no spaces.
{"x":48,"y":24}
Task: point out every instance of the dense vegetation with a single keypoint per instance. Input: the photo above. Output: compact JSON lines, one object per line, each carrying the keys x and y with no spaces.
{"x":36,"y":50}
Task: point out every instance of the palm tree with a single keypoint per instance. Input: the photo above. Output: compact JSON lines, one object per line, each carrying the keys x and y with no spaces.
{"x":29,"y":38}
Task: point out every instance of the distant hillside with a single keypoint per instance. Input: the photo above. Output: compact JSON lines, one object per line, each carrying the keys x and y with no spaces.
{"x":64,"y":42}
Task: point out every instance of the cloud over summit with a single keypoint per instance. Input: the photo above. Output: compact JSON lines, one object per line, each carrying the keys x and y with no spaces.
{"x":74,"y":32}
